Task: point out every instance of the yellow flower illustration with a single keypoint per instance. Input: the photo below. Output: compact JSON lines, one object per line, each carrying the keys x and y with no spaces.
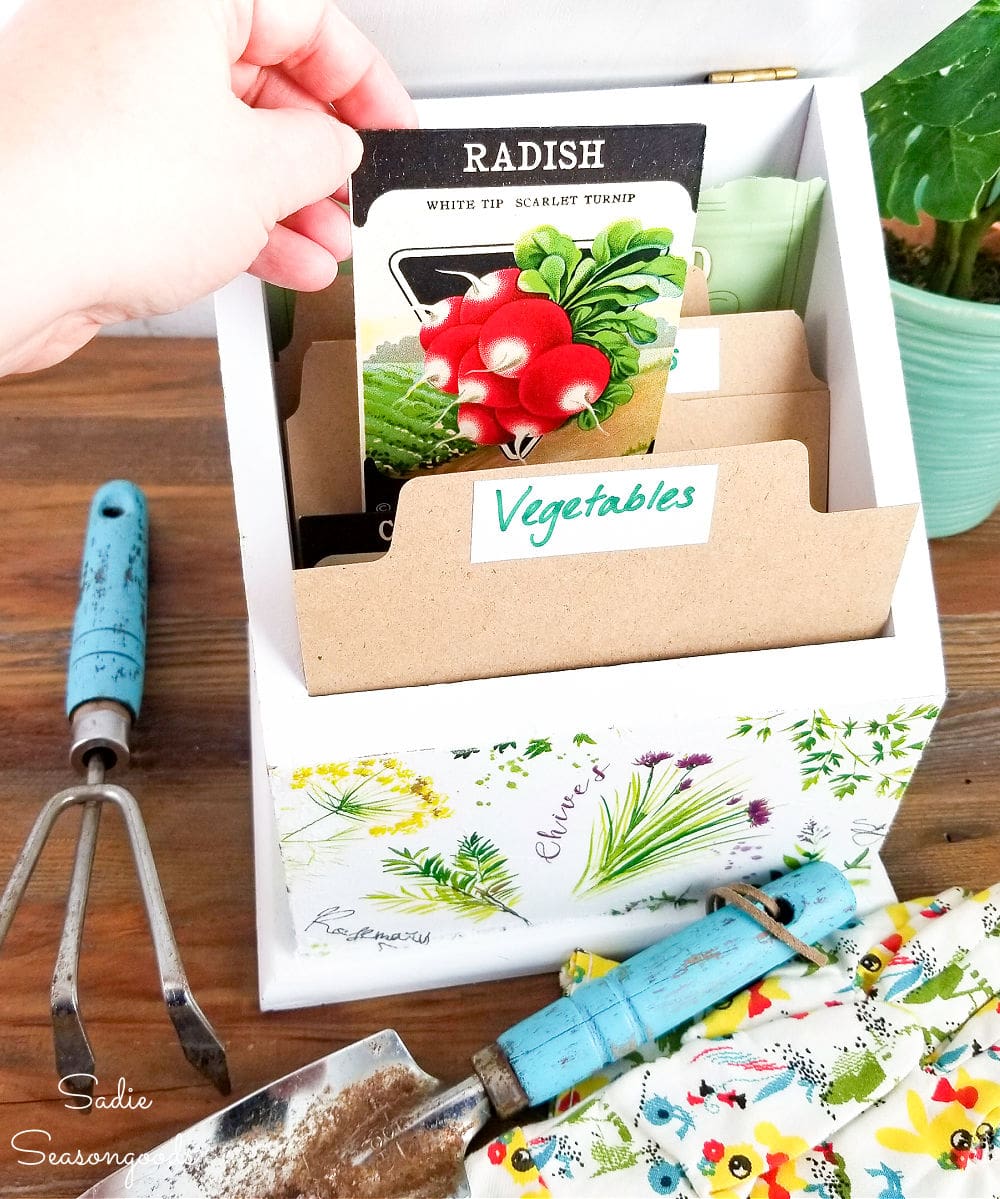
{"x":381,"y":793}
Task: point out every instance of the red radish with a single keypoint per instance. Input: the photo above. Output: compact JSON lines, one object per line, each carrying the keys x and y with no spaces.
{"x":438,"y":317}
{"x":489,"y":293}
{"x":522,"y":423}
{"x":519,"y":332}
{"x":564,"y":381}
{"x":445,"y":353}
{"x":479,"y":424}
{"x":477,"y":385}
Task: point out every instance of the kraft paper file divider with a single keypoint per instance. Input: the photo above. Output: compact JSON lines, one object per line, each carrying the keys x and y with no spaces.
{"x":764,"y":390}
{"x":772,"y":573}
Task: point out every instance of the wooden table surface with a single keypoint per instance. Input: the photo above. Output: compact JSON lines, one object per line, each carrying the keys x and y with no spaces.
{"x":152,"y":411}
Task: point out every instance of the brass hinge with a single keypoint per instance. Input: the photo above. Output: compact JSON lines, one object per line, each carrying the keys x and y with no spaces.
{"x":753,"y":75}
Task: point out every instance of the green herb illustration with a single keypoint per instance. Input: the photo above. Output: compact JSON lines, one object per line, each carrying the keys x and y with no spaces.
{"x":601,"y":291}
{"x":515,"y":767}
{"x":669,"y":811}
{"x":380,"y":794}
{"x":475,"y":883}
{"x":654,"y":903}
{"x":846,"y":754}
{"x":809,"y":846}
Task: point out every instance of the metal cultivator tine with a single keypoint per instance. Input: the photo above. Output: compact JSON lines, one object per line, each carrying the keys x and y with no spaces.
{"x":74,"y":1056}
{"x":198,"y":1039}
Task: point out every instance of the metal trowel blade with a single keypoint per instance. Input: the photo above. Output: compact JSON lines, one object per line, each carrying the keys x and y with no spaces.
{"x":204,"y":1161}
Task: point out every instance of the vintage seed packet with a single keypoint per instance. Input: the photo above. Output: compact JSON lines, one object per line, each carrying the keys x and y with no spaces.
{"x":517,"y":291}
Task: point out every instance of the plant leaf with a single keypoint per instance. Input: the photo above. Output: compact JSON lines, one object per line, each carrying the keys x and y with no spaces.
{"x":534,"y":247}
{"x":534,"y":282}
{"x":614,"y":240}
{"x":553,"y":271}
{"x":661,"y":238}
{"x":977,"y":29}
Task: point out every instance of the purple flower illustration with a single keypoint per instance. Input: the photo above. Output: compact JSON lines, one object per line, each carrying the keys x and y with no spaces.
{"x":758,"y":812}
{"x":653,"y":758}
{"x":693,"y":760}
{"x":733,"y":800}
{"x":684,"y":784}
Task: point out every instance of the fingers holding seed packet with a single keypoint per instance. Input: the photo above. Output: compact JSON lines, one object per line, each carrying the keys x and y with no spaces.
{"x":517,"y":291}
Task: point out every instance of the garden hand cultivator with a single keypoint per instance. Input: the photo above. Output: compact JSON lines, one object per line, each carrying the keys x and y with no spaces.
{"x":103,"y":693}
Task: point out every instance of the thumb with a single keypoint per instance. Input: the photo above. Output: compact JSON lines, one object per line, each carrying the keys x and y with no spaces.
{"x":300,"y":156}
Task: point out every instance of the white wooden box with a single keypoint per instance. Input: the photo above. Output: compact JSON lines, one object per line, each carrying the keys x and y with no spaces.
{"x":799,"y":128}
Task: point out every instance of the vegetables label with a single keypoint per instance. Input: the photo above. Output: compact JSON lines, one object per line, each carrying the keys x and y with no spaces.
{"x":544,"y":516}
{"x":517,"y":291}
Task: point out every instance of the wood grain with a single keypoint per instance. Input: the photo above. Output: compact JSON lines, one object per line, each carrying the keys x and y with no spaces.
{"x":151,"y":411}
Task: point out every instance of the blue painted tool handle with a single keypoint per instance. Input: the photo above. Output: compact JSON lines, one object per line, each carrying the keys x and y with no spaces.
{"x":107,"y":658}
{"x":663,"y":986}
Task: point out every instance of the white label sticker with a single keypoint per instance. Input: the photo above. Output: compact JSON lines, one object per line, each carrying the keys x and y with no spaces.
{"x":695,"y":364}
{"x":549,"y":515}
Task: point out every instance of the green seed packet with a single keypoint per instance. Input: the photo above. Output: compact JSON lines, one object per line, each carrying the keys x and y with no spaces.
{"x":517,"y":291}
{"x":757,"y":239}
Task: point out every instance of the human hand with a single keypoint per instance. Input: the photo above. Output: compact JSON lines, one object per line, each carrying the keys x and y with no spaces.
{"x":150,"y":150}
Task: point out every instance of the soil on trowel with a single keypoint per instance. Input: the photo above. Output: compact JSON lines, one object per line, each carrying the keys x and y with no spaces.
{"x":316,"y":1160}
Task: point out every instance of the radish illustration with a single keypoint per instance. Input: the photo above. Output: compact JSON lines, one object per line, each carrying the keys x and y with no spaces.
{"x":438,"y":317}
{"x":485,"y":295}
{"x":477,"y":385}
{"x":445,"y":353}
{"x":522,"y":423}
{"x":479,"y":424}
{"x":519,"y":332}
{"x":564,"y":381}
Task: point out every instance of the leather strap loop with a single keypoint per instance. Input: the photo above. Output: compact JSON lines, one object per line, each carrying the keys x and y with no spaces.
{"x":767,"y":915}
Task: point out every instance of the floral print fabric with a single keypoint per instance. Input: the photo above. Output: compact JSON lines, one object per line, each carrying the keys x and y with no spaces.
{"x":876,"y":1076}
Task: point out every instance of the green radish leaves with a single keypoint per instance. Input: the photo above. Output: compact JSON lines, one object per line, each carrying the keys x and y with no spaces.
{"x":601,"y":290}
{"x":543,"y":243}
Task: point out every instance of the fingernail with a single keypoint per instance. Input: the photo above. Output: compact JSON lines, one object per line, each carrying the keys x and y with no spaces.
{"x":352,"y":146}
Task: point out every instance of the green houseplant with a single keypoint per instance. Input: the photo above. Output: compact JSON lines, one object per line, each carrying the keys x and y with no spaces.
{"x":934,"y":132}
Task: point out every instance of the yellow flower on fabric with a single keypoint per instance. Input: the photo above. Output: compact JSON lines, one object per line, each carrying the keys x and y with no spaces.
{"x":725,"y":1019}
{"x":511,"y":1152}
{"x":946,"y":1136}
{"x":729,"y":1166}
{"x":899,"y":914}
{"x":780,"y":1177}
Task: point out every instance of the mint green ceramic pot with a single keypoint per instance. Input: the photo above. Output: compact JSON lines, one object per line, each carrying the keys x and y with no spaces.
{"x":951,"y":363}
